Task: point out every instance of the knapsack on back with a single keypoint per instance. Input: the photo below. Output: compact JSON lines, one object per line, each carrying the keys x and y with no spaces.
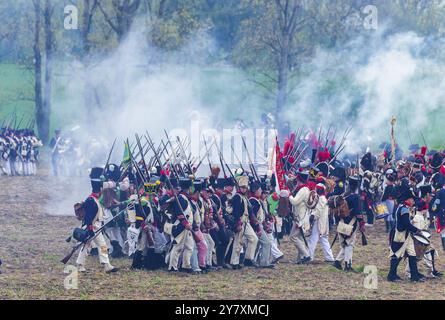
{"x":312,"y":200}
{"x":339,"y":206}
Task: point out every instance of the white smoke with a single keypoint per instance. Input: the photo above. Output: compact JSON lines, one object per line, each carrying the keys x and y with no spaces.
{"x":367,"y":82}
{"x":364,"y":83}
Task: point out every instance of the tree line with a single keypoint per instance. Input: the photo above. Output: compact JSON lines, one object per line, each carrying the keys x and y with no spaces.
{"x":269,"y":39}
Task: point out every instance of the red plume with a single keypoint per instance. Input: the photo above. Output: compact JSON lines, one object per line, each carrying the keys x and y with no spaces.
{"x":423,"y":151}
{"x":324,"y":155}
{"x":287,"y":147}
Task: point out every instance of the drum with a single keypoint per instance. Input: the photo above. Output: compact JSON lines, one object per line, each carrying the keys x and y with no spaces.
{"x":421,"y":243}
{"x":426,"y":234}
{"x":381,"y":210}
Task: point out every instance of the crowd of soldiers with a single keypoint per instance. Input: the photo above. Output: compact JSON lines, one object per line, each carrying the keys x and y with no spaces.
{"x":19,"y":152}
{"x":164,"y":216}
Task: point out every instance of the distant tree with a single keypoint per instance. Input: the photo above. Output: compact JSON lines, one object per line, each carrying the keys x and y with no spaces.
{"x":122,"y":15}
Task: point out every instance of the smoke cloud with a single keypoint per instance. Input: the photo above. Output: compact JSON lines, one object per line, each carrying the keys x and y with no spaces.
{"x":364,"y":84}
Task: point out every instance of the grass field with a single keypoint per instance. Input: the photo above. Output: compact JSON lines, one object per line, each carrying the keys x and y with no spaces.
{"x":32,"y":244}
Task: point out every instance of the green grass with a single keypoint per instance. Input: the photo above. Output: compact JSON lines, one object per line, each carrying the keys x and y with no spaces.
{"x":16,"y":88}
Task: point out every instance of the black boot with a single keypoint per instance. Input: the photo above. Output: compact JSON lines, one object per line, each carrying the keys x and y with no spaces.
{"x":392,"y":275}
{"x":94,"y":252}
{"x":415,"y":274}
{"x":242,"y":257}
{"x":434,"y":272}
{"x":348,"y":267}
{"x":337,"y":264}
{"x":250,"y":263}
{"x":137,"y":260}
{"x":117,"y":250}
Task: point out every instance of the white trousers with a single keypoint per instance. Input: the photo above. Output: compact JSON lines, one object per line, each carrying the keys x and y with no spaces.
{"x":297,"y":239}
{"x":98,"y":242}
{"x":265,"y":245}
{"x":184,"y":245}
{"x":324,"y":241}
{"x":252,"y":241}
{"x":274,"y":250}
{"x":346,"y":250}
{"x":210,"y":244}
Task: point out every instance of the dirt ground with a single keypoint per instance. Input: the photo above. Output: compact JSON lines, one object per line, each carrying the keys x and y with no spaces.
{"x":32,"y":242}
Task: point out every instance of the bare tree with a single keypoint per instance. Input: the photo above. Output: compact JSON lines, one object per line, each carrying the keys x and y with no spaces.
{"x":122,"y":17}
{"x":48,"y":12}
{"x":42,"y":117}
{"x":89,"y":7}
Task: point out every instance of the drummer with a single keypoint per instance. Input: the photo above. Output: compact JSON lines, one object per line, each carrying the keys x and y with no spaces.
{"x":420,"y":220}
{"x":401,"y":237}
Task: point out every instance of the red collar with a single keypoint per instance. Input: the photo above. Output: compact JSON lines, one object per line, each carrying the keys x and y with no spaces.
{"x":95,"y":195}
{"x":219,"y":193}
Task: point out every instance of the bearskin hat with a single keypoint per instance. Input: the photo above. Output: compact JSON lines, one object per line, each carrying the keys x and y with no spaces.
{"x":436,"y":161}
{"x":354,"y":182}
{"x":405,"y":193}
{"x":425,"y":190}
{"x":366,"y":162}
{"x":220,"y":183}
{"x":185,"y":183}
{"x":340,"y":173}
{"x":96,"y":177}
{"x":323,"y":167}
{"x":198,"y":185}
{"x":255,"y":186}
{"x":391,"y":175}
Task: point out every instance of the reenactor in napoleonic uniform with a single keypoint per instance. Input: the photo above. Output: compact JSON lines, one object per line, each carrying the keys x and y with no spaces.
{"x":94,"y":220}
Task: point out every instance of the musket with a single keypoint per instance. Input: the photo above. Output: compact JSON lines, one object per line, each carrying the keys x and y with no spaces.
{"x":327,"y":136}
{"x":141,"y":151}
{"x":207,"y":155}
{"x":20,"y":122}
{"x":252,"y":167}
{"x":207,"y":152}
{"x":80,"y":244}
{"x":221,"y":157}
{"x":335,"y":239}
{"x":236,"y":156}
{"x":364,"y":240}
{"x":109,"y":154}
{"x":183,"y":154}
{"x":407,"y":131}
{"x":423,"y":138}
{"x":299,"y":157}
{"x":170,"y":185}
{"x":174,"y":153}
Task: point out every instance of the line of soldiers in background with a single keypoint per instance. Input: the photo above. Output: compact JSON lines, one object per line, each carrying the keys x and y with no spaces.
{"x":19,"y":152}
{"x":162,"y":218}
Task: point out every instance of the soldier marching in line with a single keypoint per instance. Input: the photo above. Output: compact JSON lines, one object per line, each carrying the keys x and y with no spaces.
{"x":94,"y":220}
{"x":197,"y":224}
{"x":19,"y":151}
